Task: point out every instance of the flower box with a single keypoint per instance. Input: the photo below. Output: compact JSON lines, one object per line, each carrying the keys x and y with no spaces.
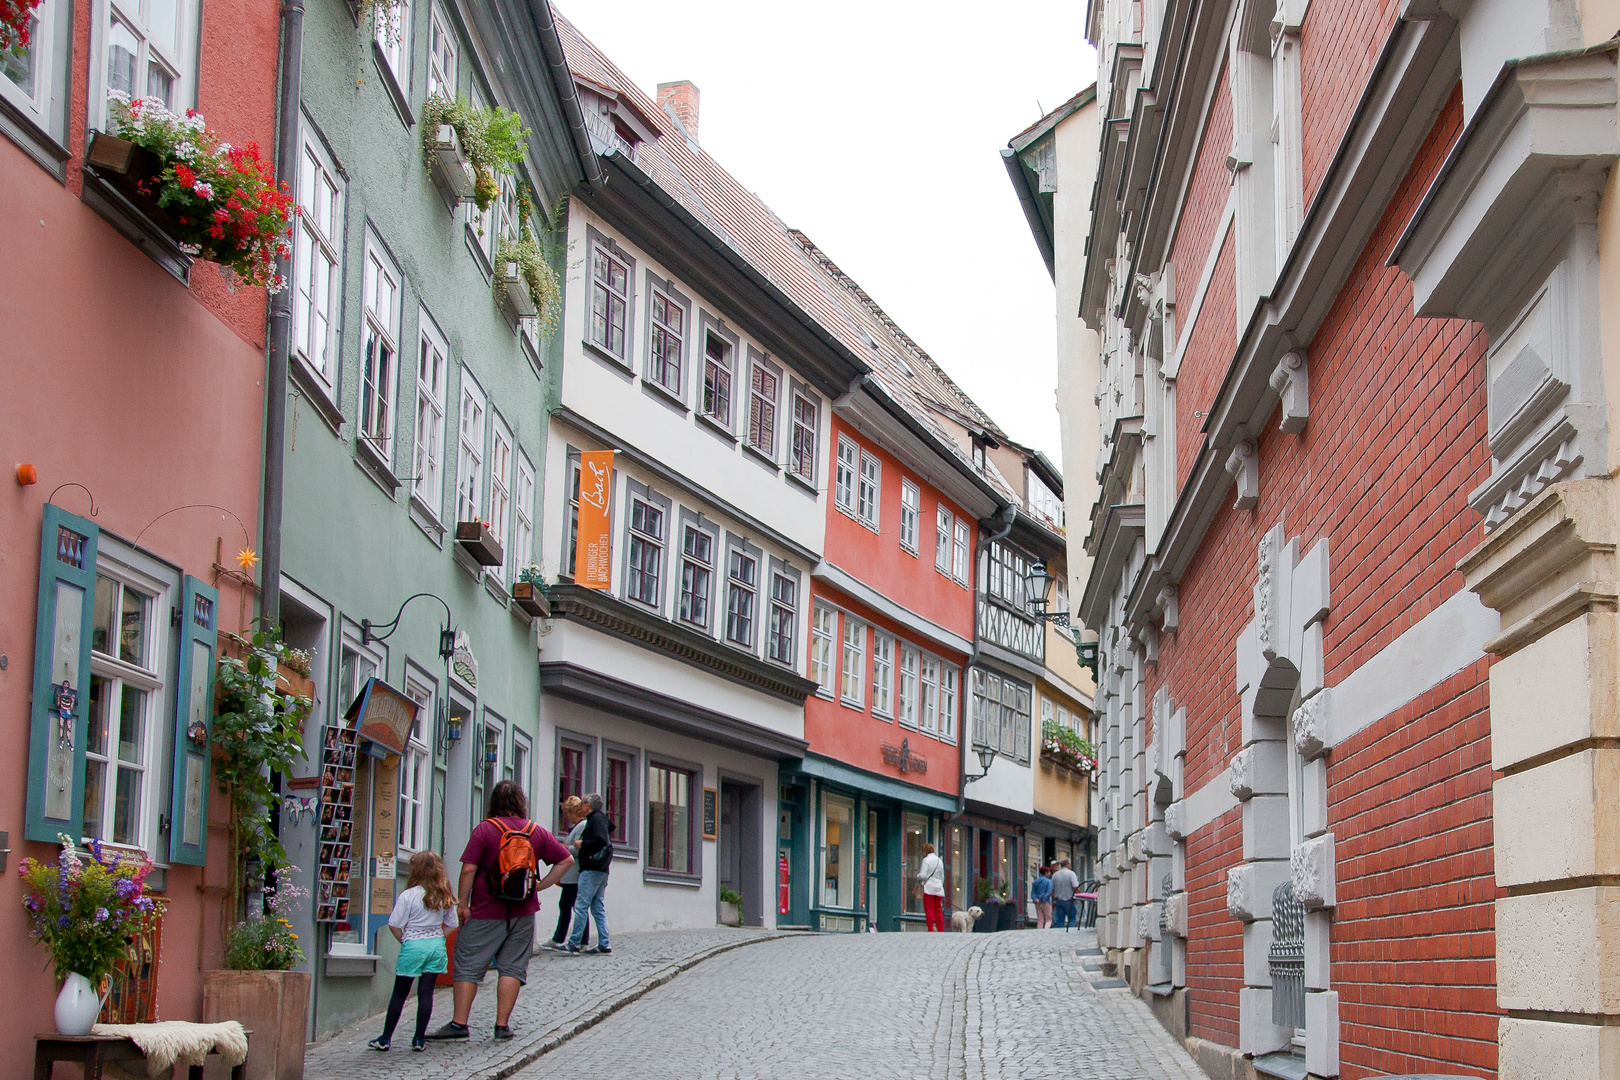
{"x":516,"y":299}
{"x":529,"y":598}
{"x":274,"y":1005}
{"x":127,"y":166}
{"x":478,"y":541}
{"x":296,"y":683}
{"x":448,"y":164}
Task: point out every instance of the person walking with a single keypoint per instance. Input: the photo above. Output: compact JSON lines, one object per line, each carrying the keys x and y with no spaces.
{"x":574,"y":812}
{"x":1040,"y":891}
{"x":595,"y":857}
{"x":1064,"y":886}
{"x":932,"y":875}
{"x":499,"y":895}
{"x":421,"y":915}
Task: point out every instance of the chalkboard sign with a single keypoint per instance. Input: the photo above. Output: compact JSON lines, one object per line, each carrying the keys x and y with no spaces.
{"x":709,"y":831}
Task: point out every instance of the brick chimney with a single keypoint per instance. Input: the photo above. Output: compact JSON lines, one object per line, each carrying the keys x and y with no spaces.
{"x":680,"y":100}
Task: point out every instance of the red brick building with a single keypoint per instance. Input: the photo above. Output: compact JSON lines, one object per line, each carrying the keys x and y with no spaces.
{"x":1300,"y":863}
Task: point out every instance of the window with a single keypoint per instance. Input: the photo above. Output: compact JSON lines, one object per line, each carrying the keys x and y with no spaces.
{"x":523,"y":527}
{"x":1048,"y":714}
{"x":645,"y":558}
{"x":942,"y":540}
{"x":317,"y":243}
{"x":717,"y":380}
{"x":122,"y":722}
{"x":1007,"y":570}
{"x":470,"y":460}
{"x":1001,"y":715}
{"x":669,"y":819}
{"x":928,"y":695}
{"x":521,"y":759}
{"x":871,"y":487}
{"x":666,"y":342}
{"x":882,"y":674}
{"x":915,"y":835}
{"x":844,"y":475}
{"x":570,"y":771}
{"x":781,"y":644}
{"x":697,"y":575}
{"x":1063,"y":719}
{"x":959,"y":568}
{"x":500,"y":487}
{"x":393,"y":28}
{"x":150,"y":48}
{"x":852,"y":690}
{"x":441,"y":56}
{"x":571,"y":541}
{"x":908,"y":686}
{"x":414,"y":782}
{"x":803,"y":458}
{"x":947,"y":702}
{"x":380,"y":297}
{"x":617,"y":797}
{"x":32,"y":72}
{"x":743,"y":574}
{"x":610,"y":300}
{"x":764,"y":380}
{"x":431,"y":372}
{"x":910,"y":511}
{"x":621,"y":792}
{"x":823,"y":628}
{"x":493,"y":743}
{"x":840,"y":858}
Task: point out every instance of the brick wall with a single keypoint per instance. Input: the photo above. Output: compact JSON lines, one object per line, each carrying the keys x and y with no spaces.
{"x":1215,"y":939}
{"x":1207,"y":193}
{"x":1206,"y":359}
{"x":1340,"y":41}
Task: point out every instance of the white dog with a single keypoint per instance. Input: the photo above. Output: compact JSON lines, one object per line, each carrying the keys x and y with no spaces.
{"x":962,"y":921}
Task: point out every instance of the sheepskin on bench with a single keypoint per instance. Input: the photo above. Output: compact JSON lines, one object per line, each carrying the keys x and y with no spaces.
{"x":168,"y":1043}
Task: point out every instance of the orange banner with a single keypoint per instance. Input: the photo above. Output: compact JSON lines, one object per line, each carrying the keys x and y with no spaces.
{"x":593,"y":554}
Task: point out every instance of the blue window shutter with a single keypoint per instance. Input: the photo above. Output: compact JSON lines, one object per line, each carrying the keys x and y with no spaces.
{"x":193,"y":722}
{"x":61,"y":705}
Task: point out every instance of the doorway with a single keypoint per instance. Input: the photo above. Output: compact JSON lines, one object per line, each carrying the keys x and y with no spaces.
{"x":740,"y":847}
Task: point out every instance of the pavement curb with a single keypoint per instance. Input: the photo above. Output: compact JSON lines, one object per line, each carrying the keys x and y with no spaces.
{"x":569,"y":1029}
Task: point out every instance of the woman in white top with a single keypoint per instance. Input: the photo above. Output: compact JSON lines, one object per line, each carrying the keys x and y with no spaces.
{"x":932,"y":875}
{"x":421,"y":915}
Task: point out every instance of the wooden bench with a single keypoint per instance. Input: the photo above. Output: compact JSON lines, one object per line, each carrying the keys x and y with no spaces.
{"x":90,"y":1051}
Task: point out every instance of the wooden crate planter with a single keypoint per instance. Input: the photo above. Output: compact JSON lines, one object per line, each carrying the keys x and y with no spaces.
{"x":447,"y":162}
{"x":125,"y":166}
{"x":477,"y":541}
{"x":517,"y":301}
{"x":301,"y":685}
{"x":528,"y":597}
{"x":274,"y":1005}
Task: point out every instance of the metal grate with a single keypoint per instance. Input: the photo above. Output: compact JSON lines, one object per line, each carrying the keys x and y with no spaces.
{"x":1164,"y":906}
{"x":132,"y":986}
{"x":1287,"y":958}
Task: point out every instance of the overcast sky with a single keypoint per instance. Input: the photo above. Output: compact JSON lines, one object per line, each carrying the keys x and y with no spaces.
{"x":875,"y":126}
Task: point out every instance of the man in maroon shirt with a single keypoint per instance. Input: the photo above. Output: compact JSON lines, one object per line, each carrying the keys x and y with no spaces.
{"x":494,"y":932}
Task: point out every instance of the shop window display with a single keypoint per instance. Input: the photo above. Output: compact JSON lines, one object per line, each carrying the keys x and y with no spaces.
{"x":839,"y":856}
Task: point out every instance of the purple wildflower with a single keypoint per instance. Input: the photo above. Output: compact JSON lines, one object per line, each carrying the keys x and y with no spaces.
{"x":62,"y":922}
{"x":101,"y":914}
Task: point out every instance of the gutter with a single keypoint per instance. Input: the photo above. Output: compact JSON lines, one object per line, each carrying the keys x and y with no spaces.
{"x":1032,"y":210}
{"x":562,"y":81}
{"x":1007,"y":515}
{"x":275,"y":381}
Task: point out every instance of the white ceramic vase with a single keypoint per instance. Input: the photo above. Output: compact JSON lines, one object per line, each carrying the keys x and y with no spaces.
{"x":77,"y":1006}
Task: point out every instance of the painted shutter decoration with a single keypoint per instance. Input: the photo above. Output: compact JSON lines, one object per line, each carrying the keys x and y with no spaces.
{"x":67,"y":596}
{"x":194,"y":714}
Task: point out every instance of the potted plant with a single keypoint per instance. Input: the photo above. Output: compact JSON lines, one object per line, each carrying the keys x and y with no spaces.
{"x":257,"y":988}
{"x":730,"y":906}
{"x":488,"y":142}
{"x":989,"y":903}
{"x":525,"y":285}
{"x":529,"y":592}
{"x":216,"y":201}
{"x":1006,"y":911}
{"x":88,"y":913}
{"x":477,"y":539}
{"x":294,"y":671}
{"x":1064,"y":746}
{"x":447,"y":162}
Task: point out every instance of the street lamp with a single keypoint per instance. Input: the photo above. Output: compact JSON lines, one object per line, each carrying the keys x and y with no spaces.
{"x":1037,"y":582}
{"x":447,"y":648}
{"x":987,"y":755}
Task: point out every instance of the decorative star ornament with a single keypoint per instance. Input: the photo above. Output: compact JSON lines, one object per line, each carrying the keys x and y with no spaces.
{"x":247,"y":559}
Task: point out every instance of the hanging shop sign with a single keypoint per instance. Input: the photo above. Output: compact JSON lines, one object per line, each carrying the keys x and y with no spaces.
{"x":383,"y":715}
{"x":903,"y":759}
{"x":339,"y":747}
{"x":709,"y":822}
{"x":593,"y":553}
{"x":384,"y":834}
{"x":463,"y":664}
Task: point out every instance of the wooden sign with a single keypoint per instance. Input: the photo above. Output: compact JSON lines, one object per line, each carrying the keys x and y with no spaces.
{"x":709,"y":816}
{"x":383,"y":715}
{"x":384,"y":834}
{"x":593,"y":548}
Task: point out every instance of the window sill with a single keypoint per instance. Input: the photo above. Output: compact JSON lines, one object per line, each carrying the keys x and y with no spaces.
{"x":670,"y":877}
{"x":629,"y":854}
{"x":427,"y":521}
{"x":475,"y":244}
{"x":531,"y":353}
{"x":496,"y":588}
{"x":762,"y":457}
{"x":716,"y":428}
{"x":824,"y":695}
{"x":372,"y":464}
{"x":618,"y":364}
{"x":663,"y":394}
{"x":34,"y":140}
{"x":135,"y":226}
{"x":351,"y":965}
{"x":473,"y":567}
{"x":858,"y":706}
{"x":314,"y":390}
{"x":396,"y":93}
{"x":806,"y":485}
{"x":847,"y":511}
{"x":870,"y":526}
{"x":887,"y":718}
{"x":913,"y":552}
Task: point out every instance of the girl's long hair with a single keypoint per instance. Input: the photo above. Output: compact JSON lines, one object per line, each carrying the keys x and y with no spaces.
{"x":427,"y":870}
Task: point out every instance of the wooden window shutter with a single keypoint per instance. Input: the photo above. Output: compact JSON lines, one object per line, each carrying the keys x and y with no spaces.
{"x":194,"y":715}
{"x":61,"y":705}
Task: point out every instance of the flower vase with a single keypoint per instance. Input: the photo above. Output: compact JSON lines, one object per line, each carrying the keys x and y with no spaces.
{"x":77,"y":1006}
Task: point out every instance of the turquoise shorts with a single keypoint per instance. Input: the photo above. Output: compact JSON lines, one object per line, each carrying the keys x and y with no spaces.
{"x":421,"y":956}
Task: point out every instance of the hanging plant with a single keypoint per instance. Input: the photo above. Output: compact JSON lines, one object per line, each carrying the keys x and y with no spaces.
{"x":1066,"y":746}
{"x":536,"y":273}
{"x":492,"y":138}
{"x":15,"y":19}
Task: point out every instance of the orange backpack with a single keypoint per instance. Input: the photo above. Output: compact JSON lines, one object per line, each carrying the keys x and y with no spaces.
{"x":513,"y":876}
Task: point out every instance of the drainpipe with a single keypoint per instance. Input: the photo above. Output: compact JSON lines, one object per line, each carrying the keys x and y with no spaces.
{"x":1007,"y":515}
{"x":275,"y":403}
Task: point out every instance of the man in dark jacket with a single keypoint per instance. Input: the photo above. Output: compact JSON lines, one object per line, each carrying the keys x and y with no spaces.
{"x":595,"y":856}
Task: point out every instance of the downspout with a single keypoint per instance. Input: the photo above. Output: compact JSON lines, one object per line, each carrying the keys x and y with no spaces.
{"x":1007,"y":515}
{"x":842,"y":401}
{"x":275,"y":403}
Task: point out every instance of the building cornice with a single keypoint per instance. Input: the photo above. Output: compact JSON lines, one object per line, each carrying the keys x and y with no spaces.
{"x":1122,"y":527}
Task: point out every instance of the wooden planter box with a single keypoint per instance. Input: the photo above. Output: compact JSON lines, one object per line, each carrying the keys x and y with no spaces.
{"x":301,"y":685}
{"x":476,"y":540}
{"x":447,"y":162}
{"x":519,"y":302}
{"x":274,"y":1005}
{"x":528,"y":597}
{"x":124,"y":165}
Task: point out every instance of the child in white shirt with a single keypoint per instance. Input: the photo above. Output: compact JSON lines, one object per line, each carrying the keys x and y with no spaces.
{"x":421,"y":915}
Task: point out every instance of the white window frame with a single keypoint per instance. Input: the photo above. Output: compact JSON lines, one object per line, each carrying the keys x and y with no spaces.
{"x":844,"y":475}
{"x":882,"y":674}
{"x":179,"y":57}
{"x":502,"y":454}
{"x":710,"y":405}
{"x":852,"y":685}
{"x":823,"y":629}
{"x":646,"y":540}
{"x":961,"y":561}
{"x":660,"y":328}
{"x":610,"y":294}
{"x":943,"y":522}
{"x":764,"y":411}
{"x":46,"y":55}
{"x":470,"y":449}
{"x":374,"y":415}
{"x":775,"y":637}
{"x":433,"y":353}
{"x":907,"y":689}
{"x":806,"y":433}
{"x":493,"y":722}
{"x":320,"y":188}
{"x":522,"y":761}
{"x":1048,"y":711}
{"x":735,"y":585}
{"x":928,"y":695}
{"x":910,"y":515}
{"x":523,"y":514}
{"x":416,"y":768}
{"x":391,"y":28}
{"x":869,"y":496}
{"x":443,"y":55}
{"x":949,"y":682}
{"x":694,"y":565}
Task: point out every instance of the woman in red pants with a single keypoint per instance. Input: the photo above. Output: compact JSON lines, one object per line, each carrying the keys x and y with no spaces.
{"x":932,"y":876}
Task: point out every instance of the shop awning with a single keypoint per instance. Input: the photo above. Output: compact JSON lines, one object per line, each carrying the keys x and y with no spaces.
{"x":881,"y":786}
